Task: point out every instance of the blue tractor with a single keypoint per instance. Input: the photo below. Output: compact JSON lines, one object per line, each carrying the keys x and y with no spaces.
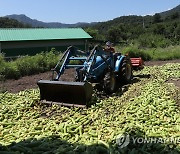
{"x":105,"y":69}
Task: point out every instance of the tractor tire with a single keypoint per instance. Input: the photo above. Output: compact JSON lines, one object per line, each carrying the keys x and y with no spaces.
{"x":125,"y":74}
{"x":110,"y":84}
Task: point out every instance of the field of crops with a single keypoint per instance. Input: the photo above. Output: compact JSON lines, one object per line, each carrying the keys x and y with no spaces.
{"x":147,"y":108}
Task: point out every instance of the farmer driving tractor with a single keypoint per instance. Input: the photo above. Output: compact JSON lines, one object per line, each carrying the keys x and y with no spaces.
{"x":109,"y":47}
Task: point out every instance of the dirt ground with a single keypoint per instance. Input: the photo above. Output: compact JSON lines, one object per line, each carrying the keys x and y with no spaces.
{"x":29,"y":82}
{"x":160,"y":63}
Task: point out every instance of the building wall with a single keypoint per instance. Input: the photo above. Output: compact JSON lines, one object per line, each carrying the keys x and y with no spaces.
{"x":33,"y":47}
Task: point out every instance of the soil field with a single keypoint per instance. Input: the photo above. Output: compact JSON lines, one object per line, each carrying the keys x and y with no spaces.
{"x":29,"y":82}
{"x":160,"y":63}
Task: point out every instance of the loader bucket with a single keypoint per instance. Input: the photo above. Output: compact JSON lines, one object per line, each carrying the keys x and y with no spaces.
{"x":65,"y":93}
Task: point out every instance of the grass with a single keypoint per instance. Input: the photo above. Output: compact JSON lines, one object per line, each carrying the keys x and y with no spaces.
{"x":169,"y":53}
{"x":27,"y":65}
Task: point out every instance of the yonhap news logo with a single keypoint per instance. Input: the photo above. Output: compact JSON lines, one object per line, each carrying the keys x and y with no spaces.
{"x":123,"y":140}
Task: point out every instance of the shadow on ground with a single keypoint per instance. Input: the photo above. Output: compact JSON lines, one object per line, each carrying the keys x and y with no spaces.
{"x":51,"y":145}
{"x":54,"y":144}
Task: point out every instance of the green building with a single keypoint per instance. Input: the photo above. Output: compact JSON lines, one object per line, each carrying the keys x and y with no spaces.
{"x":23,"y":41}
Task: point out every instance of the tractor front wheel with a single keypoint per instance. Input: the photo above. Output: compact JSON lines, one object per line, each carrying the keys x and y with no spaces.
{"x":110,"y":84}
{"x":125,"y":74}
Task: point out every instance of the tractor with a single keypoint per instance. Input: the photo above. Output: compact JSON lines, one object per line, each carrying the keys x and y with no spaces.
{"x":105,"y":69}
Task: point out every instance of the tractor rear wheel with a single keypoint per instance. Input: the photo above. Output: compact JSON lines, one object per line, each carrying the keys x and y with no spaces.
{"x":125,"y":74}
{"x":110,"y":84}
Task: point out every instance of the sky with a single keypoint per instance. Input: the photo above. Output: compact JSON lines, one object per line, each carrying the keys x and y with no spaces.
{"x":73,"y":11}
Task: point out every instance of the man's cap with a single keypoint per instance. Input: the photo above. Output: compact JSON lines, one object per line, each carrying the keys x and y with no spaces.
{"x":108,"y":43}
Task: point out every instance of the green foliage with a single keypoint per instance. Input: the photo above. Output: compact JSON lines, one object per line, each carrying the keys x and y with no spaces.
{"x":28,"y":65}
{"x":159,"y":29}
{"x":177,"y":32}
{"x":117,"y":33}
{"x":165,"y":26}
{"x":92,"y":32}
{"x":12,"y":23}
{"x":113,"y":34}
{"x":153,"y":41}
{"x":133,"y":51}
{"x":175,"y":15}
{"x":169,"y":53}
{"x":1,"y":59}
{"x":10,"y":71}
{"x":157,"y":18}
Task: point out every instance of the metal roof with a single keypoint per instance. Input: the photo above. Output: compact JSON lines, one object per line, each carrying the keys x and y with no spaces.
{"x":25,"y":34}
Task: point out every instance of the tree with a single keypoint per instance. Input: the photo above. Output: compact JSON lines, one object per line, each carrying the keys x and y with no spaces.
{"x":157,"y":18}
{"x":93,"y":32}
{"x":113,"y":34}
{"x":159,"y":29}
{"x":177,"y":33}
{"x":12,"y":23}
{"x":175,"y":16}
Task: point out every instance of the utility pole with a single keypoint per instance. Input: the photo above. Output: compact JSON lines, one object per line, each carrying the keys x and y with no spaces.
{"x":143,"y":23}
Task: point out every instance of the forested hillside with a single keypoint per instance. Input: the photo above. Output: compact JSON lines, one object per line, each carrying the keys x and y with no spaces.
{"x":159,"y":30}
{"x":12,"y":23}
{"x":36,"y":23}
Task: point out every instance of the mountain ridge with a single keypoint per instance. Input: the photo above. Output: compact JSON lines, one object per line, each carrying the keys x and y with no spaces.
{"x":36,"y":23}
{"x":171,"y":11}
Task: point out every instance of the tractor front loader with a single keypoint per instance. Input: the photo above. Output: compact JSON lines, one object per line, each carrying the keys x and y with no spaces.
{"x":98,"y":67}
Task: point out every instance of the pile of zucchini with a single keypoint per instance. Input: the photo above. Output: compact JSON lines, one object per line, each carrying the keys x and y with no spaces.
{"x":147,"y":108}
